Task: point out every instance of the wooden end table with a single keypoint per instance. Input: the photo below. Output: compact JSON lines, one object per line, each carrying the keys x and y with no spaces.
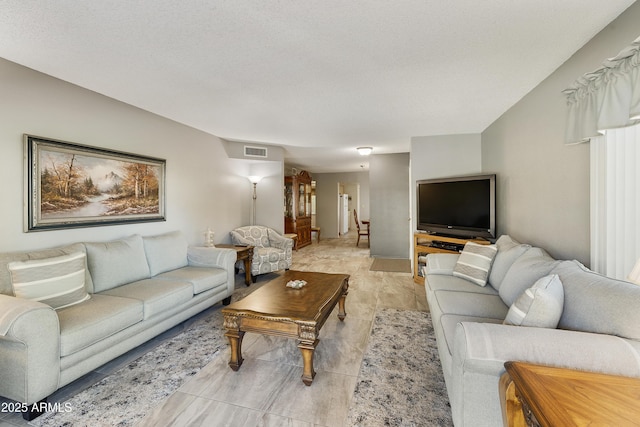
{"x":243,"y":253}
{"x":535,"y":395}
{"x":276,"y":309}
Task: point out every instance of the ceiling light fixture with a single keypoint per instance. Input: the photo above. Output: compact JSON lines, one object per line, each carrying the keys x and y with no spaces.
{"x":364,"y":151}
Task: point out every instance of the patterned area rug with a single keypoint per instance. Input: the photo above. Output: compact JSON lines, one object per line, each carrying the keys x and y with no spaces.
{"x":129,"y":394}
{"x":400,"y":381}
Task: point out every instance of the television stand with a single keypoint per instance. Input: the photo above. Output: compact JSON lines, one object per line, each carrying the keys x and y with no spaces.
{"x":425,"y":243}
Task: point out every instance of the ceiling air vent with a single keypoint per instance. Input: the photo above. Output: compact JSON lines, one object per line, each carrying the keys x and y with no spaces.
{"x":255,"y":151}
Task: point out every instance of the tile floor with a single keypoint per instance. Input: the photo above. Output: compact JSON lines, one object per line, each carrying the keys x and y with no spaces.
{"x":267,"y":390}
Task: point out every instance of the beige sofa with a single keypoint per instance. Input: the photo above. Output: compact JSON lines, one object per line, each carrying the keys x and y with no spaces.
{"x":598,"y":324}
{"x":136,"y":288}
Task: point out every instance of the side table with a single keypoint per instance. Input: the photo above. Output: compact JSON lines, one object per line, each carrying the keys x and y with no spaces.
{"x":244,"y":253}
{"x":535,"y":395}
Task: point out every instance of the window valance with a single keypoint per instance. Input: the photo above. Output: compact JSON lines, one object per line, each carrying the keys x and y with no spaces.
{"x":606,"y":98}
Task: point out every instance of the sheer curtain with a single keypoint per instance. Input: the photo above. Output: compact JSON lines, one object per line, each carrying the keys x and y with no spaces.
{"x":604,"y":108}
{"x":615,"y":201}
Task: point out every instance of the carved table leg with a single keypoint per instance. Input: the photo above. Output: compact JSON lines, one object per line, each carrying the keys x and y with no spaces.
{"x":307,"y":349}
{"x":235,"y":335}
{"x":341,"y":311}
{"x":235,"y":341}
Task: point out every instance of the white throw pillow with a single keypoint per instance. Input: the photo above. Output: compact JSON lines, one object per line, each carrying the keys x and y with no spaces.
{"x":474,"y":262}
{"x":539,"y":306}
{"x":58,"y":281}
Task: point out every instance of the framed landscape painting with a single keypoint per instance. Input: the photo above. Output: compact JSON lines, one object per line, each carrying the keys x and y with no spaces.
{"x":70,"y":185}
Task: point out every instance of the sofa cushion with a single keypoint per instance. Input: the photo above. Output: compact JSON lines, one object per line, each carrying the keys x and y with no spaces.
{"x":57,"y":281}
{"x":157,"y":295}
{"x":270,"y":254}
{"x":474,"y":262}
{"x":266,"y":260}
{"x":508,"y":251}
{"x":7,"y":257}
{"x":82,"y":325}
{"x":436,"y":282}
{"x":467,"y":304}
{"x":595,"y":303}
{"x":539,"y":306}
{"x":524,"y":272}
{"x":165,"y":252}
{"x":117,"y":262}
{"x":201,"y":278}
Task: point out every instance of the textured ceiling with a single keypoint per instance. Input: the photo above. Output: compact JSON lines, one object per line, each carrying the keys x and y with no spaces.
{"x":320,"y":77}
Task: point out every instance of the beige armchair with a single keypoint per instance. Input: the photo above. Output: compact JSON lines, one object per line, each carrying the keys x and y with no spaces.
{"x":272,"y":251}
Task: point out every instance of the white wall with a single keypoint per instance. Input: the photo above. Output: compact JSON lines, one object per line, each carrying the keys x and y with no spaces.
{"x":543,"y":185}
{"x":443,"y":156}
{"x":203,"y":186}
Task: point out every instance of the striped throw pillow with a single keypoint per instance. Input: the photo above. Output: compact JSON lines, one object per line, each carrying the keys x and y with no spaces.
{"x":474,"y":262}
{"x":539,"y":306}
{"x":57,"y":281}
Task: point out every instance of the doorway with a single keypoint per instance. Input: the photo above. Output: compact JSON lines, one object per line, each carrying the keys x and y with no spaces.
{"x":348,"y":201}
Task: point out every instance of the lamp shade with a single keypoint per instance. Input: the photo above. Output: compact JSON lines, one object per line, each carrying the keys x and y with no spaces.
{"x":254,"y":179}
{"x":364,"y":151}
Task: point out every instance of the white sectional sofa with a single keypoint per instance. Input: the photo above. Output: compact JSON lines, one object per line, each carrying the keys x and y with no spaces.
{"x":123,"y":293}
{"x":598,"y":324}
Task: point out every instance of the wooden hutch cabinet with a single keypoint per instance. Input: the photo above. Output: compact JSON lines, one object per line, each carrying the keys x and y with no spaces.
{"x":297,"y":207}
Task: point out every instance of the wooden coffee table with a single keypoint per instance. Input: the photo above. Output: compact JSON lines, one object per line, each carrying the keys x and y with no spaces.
{"x":276,"y":309}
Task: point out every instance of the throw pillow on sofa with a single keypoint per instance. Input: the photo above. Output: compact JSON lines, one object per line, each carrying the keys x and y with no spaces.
{"x":57,"y":281}
{"x":539,"y":306}
{"x":527,"y":269}
{"x":474,"y":262}
{"x":509,"y":250}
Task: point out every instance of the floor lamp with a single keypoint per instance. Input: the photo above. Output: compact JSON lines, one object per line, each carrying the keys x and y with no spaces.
{"x":254,"y":179}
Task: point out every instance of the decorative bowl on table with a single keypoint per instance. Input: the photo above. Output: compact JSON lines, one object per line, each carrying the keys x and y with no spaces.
{"x":296,"y":284}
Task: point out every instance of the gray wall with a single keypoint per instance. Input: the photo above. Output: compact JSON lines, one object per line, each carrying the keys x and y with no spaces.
{"x":203,"y":186}
{"x":443,"y":156}
{"x":390,"y":217}
{"x":327,"y":199}
{"x":543,"y":185}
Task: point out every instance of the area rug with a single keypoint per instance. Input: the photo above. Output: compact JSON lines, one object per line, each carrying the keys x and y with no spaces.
{"x":391,"y":265}
{"x":129,"y":394}
{"x":400,"y":382}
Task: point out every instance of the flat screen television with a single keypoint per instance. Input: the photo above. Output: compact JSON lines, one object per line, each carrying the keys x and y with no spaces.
{"x":463,"y":206}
